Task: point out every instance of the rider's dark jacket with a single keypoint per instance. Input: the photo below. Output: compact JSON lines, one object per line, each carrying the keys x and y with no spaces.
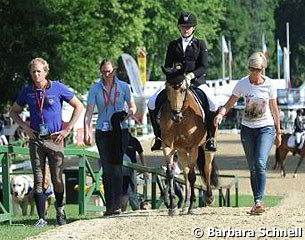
{"x":298,"y":124}
{"x":194,"y":59}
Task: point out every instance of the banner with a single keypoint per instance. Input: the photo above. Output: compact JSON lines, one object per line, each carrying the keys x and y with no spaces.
{"x":141,"y":57}
{"x":224,"y":46}
{"x":287,"y":68}
{"x":279,"y":55}
{"x":133,"y":74}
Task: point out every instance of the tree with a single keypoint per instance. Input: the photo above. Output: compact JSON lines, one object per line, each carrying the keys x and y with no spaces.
{"x":245,"y":23}
{"x":75,"y":35}
{"x":24,"y":35}
{"x":292,"y":11}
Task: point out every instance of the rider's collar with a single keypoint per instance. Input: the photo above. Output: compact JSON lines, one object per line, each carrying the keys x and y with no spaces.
{"x":187,"y":39}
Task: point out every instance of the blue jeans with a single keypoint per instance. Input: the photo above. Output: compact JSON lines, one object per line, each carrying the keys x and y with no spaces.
{"x":257,"y":143}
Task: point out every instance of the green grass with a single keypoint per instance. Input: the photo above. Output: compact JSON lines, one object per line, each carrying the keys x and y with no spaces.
{"x":247,"y":200}
{"x":17,"y":232}
{"x":23,"y":226}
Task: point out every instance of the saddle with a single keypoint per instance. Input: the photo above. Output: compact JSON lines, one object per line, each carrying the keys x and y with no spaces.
{"x":201,"y":98}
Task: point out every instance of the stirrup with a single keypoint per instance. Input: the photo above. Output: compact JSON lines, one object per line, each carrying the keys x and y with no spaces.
{"x":210,"y":145}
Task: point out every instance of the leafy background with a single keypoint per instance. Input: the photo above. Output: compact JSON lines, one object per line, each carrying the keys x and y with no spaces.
{"x":74,"y":35}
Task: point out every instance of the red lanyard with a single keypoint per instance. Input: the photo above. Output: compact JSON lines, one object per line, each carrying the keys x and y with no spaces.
{"x":107,"y":96}
{"x":40,"y":102}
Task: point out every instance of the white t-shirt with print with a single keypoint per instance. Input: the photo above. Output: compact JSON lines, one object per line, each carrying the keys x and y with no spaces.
{"x":257,"y":111}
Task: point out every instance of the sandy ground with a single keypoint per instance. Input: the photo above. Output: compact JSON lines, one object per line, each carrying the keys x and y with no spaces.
{"x":209,"y":222}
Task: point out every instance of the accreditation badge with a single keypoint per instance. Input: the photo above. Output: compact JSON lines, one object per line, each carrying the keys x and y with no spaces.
{"x":43,"y":130}
{"x":105,"y":126}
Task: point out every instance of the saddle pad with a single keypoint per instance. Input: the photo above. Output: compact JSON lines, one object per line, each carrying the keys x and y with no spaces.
{"x":291,"y":142}
{"x":200,"y":106}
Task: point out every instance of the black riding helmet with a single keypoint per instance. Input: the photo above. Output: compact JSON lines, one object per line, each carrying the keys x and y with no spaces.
{"x":187,"y":18}
{"x":300,"y":112}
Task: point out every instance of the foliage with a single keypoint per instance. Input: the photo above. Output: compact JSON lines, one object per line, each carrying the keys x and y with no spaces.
{"x":75,"y":35}
{"x":245,"y":23}
{"x":24,"y":35}
{"x":292,"y":11}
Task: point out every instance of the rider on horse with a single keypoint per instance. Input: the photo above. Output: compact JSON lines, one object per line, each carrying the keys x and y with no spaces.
{"x":298,"y":128}
{"x":191,"y":54}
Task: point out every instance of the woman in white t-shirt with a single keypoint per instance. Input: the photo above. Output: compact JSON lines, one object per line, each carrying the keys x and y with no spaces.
{"x":260,"y":125}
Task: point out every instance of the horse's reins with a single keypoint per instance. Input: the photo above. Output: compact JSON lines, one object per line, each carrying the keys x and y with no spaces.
{"x":176,"y":87}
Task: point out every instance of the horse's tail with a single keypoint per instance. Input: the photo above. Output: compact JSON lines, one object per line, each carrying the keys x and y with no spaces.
{"x":277,"y":158}
{"x":200,"y":164}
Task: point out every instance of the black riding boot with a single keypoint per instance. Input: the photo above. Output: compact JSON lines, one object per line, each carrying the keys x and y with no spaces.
{"x":157,"y":131}
{"x":211,"y":130}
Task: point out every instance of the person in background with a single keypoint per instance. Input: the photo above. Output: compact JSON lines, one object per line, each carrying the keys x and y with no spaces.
{"x":3,"y":140}
{"x":46,"y":132}
{"x":129,"y":174}
{"x":260,"y":126}
{"x":109,"y":95}
{"x":190,"y":54}
{"x":298,"y":128}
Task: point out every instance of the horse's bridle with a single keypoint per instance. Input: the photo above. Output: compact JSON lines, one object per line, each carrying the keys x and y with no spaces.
{"x":177,"y":115}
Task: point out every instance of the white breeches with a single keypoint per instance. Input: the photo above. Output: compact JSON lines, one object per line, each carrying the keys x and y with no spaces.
{"x":152,"y":100}
{"x":298,"y":137}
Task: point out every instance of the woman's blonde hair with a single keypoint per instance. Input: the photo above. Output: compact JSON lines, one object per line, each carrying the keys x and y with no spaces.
{"x":257,"y":60}
{"x":42,"y":61}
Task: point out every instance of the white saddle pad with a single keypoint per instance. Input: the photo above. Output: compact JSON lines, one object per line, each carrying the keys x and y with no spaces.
{"x":202,"y":110}
{"x":291,"y":142}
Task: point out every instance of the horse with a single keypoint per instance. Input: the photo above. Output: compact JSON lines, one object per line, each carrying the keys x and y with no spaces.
{"x":281,"y":154}
{"x":183,"y":131}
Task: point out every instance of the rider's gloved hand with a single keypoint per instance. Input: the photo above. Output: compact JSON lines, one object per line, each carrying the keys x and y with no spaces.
{"x":188,"y":77}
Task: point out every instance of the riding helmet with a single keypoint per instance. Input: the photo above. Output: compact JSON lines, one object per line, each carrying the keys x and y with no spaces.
{"x":187,"y":18}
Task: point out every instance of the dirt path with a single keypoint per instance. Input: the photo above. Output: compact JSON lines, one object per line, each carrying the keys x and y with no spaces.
{"x":152,"y":225}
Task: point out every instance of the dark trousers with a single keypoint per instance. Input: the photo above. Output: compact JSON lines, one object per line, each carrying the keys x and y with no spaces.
{"x":112,"y":173}
{"x":130,"y":189}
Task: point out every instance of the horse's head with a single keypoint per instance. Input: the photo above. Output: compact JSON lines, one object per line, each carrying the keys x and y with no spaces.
{"x":176,"y":88}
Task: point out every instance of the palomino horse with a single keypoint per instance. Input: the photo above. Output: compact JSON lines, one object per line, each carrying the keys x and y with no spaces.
{"x":183,"y":131}
{"x":281,"y":154}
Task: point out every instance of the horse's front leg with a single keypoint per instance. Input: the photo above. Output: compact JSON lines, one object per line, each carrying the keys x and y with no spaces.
{"x":168,"y":153}
{"x":209,"y":156}
{"x":189,"y":177}
{"x":192,"y":180}
{"x":299,"y":164}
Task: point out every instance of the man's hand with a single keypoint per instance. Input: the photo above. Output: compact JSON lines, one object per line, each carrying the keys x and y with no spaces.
{"x":87,"y":140}
{"x":29,"y":131}
{"x":145,"y":176}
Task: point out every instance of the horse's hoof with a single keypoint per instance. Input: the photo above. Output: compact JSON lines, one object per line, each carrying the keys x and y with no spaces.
{"x":295,"y":175}
{"x":191,"y":211}
{"x":210,"y":200}
{"x":184,"y":210}
{"x":173,"y":212}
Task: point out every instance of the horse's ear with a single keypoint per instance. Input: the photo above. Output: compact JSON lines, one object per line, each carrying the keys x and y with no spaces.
{"x":172,"y":72}
{"x":167,"y":71}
